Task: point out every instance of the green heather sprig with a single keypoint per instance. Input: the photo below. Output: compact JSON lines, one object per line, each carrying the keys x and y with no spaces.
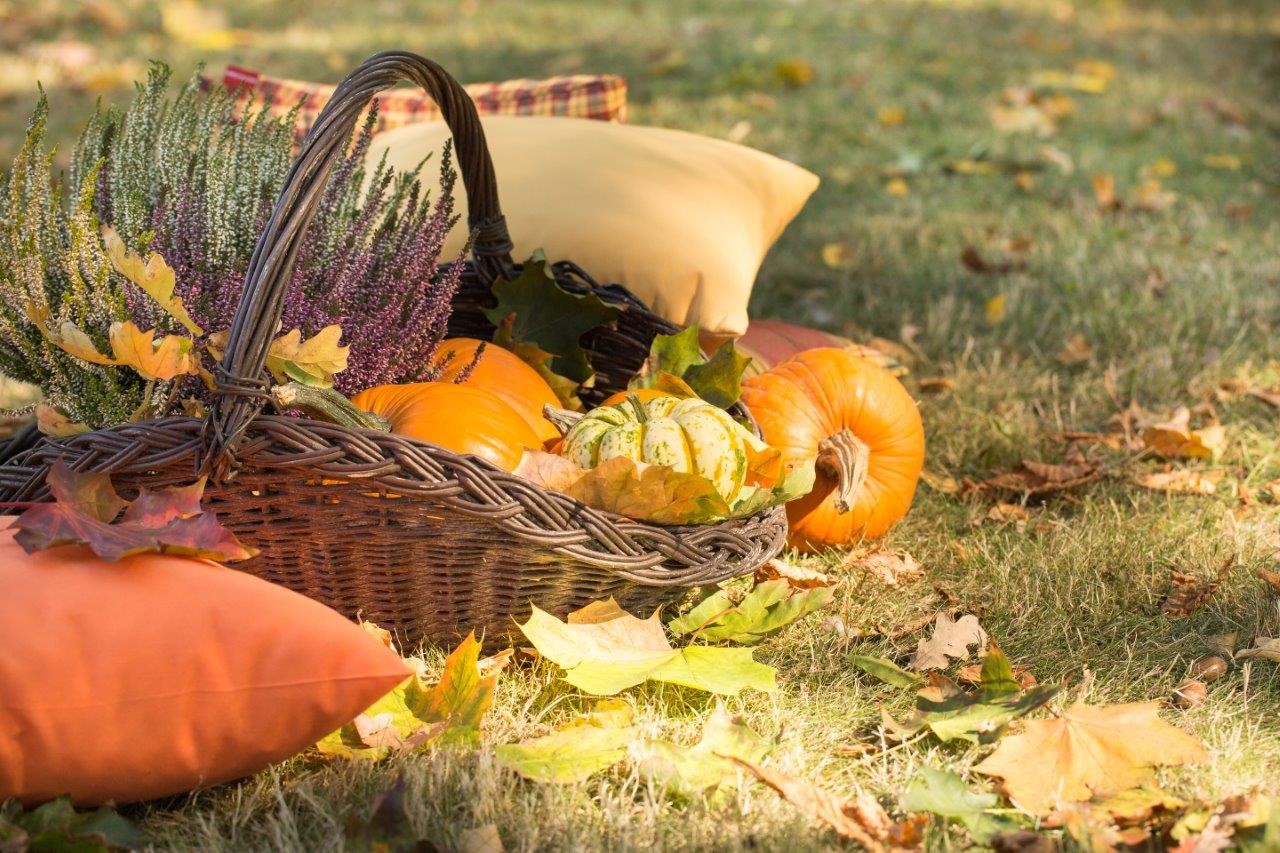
{"x":192,"y":176}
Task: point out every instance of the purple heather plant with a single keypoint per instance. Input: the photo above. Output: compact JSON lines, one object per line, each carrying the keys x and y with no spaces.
{"x":194,"y":176}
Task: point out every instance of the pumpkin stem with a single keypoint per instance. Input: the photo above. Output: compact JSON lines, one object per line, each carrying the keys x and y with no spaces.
{"x":641,"y":415}
{"x":325,"y":404}
{"x":561,"y":419}
{"x":844,"y":458}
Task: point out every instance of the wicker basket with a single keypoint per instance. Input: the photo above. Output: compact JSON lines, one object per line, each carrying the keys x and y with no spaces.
{"x":459,"y":544}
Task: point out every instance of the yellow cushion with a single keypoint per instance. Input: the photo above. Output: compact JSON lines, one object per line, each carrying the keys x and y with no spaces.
{"x":682,"y":220}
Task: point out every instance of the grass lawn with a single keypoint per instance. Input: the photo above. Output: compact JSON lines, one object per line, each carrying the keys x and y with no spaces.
{"x":1170,"y":302}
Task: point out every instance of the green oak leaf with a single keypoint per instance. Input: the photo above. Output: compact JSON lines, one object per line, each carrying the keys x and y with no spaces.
{"x":584,"y":746}
{"x":768,"y":608}
{"x":615,"y":650}
{"x":707,"y":767}
{"x":549,"y":316}
{"x":943,"y":793}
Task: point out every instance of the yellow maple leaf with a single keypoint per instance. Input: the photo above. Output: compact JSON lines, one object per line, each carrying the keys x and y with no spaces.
{"x":1175,"y":437}
{"x":170,"y":356}
{"x":153,"y":275}
{"x":1090,"y":750}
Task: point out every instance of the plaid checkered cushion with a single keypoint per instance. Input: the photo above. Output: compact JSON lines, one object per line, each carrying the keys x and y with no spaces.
{"x":596,"y":96}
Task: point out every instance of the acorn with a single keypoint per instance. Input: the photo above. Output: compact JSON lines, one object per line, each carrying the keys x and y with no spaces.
{"x":1191,"y":694}
{"x":1209,"y":668}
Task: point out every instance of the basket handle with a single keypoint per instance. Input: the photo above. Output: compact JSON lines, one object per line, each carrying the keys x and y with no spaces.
{"x":240,"y":389}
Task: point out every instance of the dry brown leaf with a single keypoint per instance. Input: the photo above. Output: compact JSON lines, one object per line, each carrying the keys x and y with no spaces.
{"x":1004,"y":513}
{"x":1088,"y":751}
{"x":1272,"y":579}
{"x":797,"y":577}
{"x":892,"y":568}
{"x":1022,"y":180}
{"x":973,"y":260}
{"x":1270,"y":396}
{"x":1076,"y":350}
{"x":951,"y":639}
{"x":1187,"y":592}
{"x":1104,"y":191}
{"x":860,"y":818}
{"x":1238,"y":210}
{"x":1267,"y":648}
{"x":944,"y":483}
{"x":1033,"y":479}
{"x":1182,"y":481}
{"x":935,"y":384}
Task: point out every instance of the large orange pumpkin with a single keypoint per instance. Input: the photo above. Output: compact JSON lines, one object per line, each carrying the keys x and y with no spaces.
{"x":502,"y":372}
{"x":462,"y":418}
{"x":861,"y":427}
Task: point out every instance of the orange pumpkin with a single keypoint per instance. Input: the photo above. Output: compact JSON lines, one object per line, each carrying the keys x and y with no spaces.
{"x":463,"y":418}
{"x":505,"y":374}
{"x":644,"y":395}
{"x":859,"y":425}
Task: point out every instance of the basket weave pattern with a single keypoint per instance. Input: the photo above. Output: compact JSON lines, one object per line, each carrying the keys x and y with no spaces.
{"x":407,"y":534}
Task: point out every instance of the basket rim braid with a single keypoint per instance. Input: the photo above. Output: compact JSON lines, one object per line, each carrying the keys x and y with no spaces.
{"x":449,"y":542}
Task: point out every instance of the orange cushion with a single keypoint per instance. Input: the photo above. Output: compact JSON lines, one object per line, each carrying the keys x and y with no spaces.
{"x":157,"y":675}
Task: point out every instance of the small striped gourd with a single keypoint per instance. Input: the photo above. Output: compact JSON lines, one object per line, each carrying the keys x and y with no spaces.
{"x":689,"y":435}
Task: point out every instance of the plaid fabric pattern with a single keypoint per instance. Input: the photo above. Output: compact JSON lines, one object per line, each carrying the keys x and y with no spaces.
{"x":595,"y":96}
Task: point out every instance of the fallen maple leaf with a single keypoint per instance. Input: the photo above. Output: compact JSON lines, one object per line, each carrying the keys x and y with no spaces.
{"x":1272,"y":579}
{"x":943,"y":793}
{"x":164,"y":521}
{"x":891,"y":116}
{"x":1270,"y":396}
{"x":892,"y":568}
{"x":1089,"y":750}
{"x":951,"y":639}
{"x":768,"y":608}
{"x":1151,"y":195}
{"x":1004,"y":513}
{"x":615,"y":650}
{"x":1267,"y":648}
{"x":898,"y":188}
{"x":577,"y":750}
{"x":416,"y":714}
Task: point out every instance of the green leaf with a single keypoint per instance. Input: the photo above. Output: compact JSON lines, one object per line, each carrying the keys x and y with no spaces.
{"x":615,"y":651}
{"x":886,"y":670}
{"x":416,"y":714}
{"x":718,"y":380}
{"x":707,"y":766}
{"x":586,"y":745}
{"x":979,"y":717}
{"x":768,"y":608}
{"x":943,"y":793}
{"x":550,"y":316}
{"x":56,"y":827}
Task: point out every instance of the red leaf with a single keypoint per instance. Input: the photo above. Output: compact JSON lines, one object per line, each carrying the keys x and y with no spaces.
{"x":167,"y":521}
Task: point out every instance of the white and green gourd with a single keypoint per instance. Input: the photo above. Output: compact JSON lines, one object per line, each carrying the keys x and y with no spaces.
{"x":689,"y":435}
